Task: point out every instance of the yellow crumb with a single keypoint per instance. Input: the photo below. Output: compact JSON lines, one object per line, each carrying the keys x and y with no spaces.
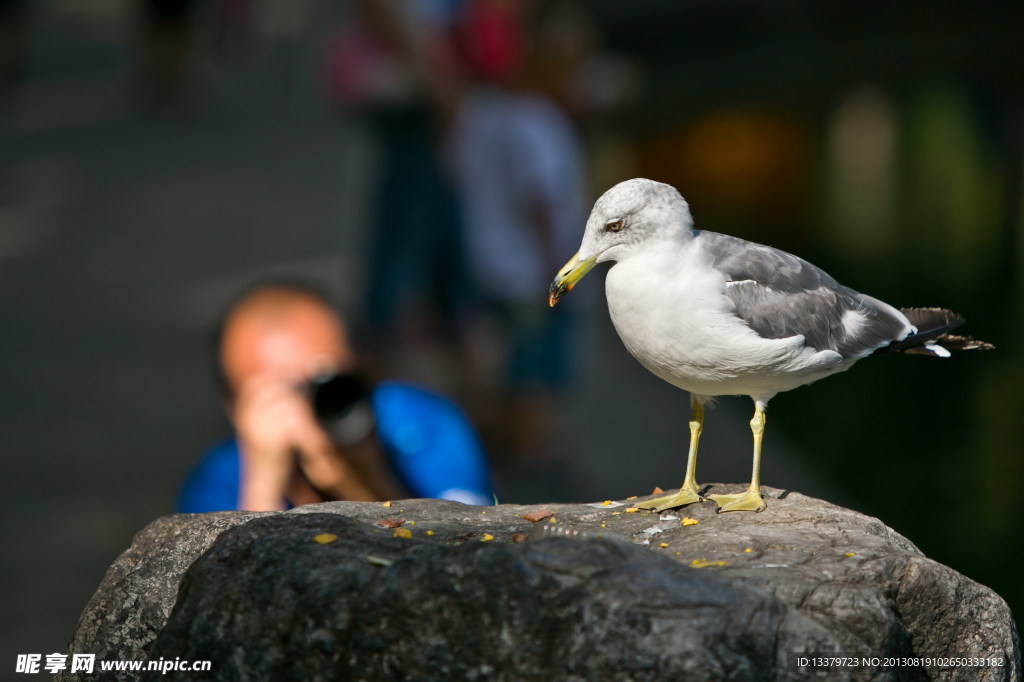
{"x":606,"y":503}
{"x":604,"y":525}
{"x":663,"y":545}
{"x":402,"y":533}
{"x":386,"y":504}
{"x":430,"y":532}
{"x":412,"y":523}
{"x":704,"y":563}
{"x":749,"y":549}
{"x":631,"y":510}
{"x":850,"y":554}
{"x":325,"y":538}
{"x":551,"y":520}
{"x":687,"y":521}
{"x":487,"y":537}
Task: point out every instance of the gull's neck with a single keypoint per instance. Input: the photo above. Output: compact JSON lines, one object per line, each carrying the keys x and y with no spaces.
{"x":670,"y":242}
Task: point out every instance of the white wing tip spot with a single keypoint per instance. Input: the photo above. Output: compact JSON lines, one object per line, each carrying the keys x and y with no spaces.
{"x":853,"y":322}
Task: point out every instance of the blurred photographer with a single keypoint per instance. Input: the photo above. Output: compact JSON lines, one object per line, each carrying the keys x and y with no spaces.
{"x":308,"y":430}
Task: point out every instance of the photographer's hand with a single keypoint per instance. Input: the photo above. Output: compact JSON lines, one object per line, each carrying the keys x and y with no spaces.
{"x":278,"y":436}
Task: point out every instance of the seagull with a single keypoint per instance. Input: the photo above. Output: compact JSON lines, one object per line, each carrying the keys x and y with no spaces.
{"x":717,"y":315}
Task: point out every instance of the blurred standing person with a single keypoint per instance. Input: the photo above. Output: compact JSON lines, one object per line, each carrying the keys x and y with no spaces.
{"x":392,"y":64}
{"x":520,"y":169}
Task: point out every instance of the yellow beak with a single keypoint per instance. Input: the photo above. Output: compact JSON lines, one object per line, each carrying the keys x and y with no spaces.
{"x":567,"y":277}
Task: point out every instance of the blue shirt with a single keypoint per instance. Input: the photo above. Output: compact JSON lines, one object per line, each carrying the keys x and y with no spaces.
{"x":429,"y":442}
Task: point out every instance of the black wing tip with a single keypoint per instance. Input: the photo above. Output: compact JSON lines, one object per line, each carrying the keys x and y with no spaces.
{"x":933,"y":337}
{"x":933,"y":320}
{"x":955,"y":342}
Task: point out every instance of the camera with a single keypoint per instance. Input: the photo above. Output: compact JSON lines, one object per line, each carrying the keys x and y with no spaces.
{"x":341,"y":403}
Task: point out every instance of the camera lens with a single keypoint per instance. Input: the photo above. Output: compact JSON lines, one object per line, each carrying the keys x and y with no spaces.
{"x":334,"y":395}
{"x":341,"y":403}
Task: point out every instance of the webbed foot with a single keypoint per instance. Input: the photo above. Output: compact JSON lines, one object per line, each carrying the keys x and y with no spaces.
{"x":750,"y":500}
{"x":685,"y":495}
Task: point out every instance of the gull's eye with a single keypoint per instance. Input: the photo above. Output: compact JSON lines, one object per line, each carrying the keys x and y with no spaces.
{"x":614,"y":225}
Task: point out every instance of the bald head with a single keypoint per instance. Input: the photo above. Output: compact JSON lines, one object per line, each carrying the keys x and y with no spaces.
{"x":284,"y":331}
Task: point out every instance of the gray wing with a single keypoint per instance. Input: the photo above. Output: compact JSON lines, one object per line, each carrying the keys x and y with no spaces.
{"x":780,"y":295}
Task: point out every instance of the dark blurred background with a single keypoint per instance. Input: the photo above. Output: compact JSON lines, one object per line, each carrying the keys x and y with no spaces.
{"x":157,"y":156}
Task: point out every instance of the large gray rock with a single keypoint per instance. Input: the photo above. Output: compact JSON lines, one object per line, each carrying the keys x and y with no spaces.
{"x":593,"y":592}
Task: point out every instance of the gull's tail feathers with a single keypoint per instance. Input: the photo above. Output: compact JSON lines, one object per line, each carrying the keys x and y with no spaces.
{"x":932,"y":336}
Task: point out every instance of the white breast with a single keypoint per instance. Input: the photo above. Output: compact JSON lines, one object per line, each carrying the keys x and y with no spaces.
{"x":671,"y":313}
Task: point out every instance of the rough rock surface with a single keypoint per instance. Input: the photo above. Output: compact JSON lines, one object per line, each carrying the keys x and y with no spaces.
{"x":591,"y":592}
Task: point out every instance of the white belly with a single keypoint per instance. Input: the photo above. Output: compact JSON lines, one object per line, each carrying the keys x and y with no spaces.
{"x":684,"y":331}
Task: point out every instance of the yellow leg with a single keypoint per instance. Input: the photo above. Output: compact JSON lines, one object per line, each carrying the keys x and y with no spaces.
{"x":688,"y":493}
{"x":750,"y":500}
